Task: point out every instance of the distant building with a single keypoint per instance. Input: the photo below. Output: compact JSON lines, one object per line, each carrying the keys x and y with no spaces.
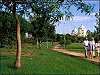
{"x":28,"y":35}
{"x":81,"y":31}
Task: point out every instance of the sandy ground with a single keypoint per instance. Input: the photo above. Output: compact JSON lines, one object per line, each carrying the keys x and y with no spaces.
{"x":58,"y":48}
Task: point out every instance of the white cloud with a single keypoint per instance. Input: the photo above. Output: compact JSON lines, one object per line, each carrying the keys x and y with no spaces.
{"x":85,"y":18}
{"x":93,"y":14}
{"x":81,"y":18}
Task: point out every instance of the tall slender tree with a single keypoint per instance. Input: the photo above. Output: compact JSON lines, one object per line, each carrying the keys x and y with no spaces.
{"x":13,"y":7}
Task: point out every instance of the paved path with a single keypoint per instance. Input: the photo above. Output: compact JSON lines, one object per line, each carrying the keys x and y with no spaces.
{"x":58,"y":48}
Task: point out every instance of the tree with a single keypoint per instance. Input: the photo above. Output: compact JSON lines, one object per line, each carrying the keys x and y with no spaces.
{"x":42,"y":31}
{"x":97,"y":32}
{"x":89,"y":35}
{"x":49,"y":34}
{"x":8,"y":29}
{"x":12,"y":6}
{"x":37,"y":29}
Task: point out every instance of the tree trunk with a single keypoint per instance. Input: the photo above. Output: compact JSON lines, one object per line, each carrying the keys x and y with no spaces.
{"x":64,"y":41}
{"x":47,"y":43}
{"x":18,"y":39}
{"x":37,"y":43}
{"x":52,"y":42}
{"x":40,"y":43}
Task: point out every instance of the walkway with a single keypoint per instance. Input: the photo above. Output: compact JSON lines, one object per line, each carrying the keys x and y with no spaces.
{"x":58,"y":48}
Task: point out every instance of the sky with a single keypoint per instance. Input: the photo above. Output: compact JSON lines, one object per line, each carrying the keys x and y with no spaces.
{"x":89,"y":21}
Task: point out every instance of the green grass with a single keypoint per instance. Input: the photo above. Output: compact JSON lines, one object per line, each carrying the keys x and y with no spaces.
{"x":45,"y":61}
{"x":75,"y":47}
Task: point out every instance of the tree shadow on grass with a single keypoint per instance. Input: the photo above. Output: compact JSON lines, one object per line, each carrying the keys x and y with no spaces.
{"x":7,"y":61}
{"x":11,"y":65}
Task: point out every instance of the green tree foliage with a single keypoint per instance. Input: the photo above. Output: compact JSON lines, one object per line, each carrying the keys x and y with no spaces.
{"x":97,"y":32}
{"x":63,"y":39}
{"x":8,"y":29}
{"x":90,"y":35}
{"x":42,"y":31}
{"x":68,"y":39}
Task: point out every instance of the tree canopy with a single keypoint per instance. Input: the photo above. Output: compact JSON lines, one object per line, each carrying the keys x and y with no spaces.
{"x":97,"y":33}
{"x":45,"y":7}
{"x":8,"y":28}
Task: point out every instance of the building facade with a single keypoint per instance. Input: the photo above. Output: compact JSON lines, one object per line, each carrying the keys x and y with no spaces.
{"x":81,"y":31}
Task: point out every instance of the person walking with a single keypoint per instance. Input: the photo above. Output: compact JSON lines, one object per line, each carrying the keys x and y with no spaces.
{"x":93,"y":47}
{"x":86,"y":47}
{"x":98,"y":48}
{"x":89,"y":50}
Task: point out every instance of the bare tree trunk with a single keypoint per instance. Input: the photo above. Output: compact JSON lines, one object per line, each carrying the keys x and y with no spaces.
{"x":64,"y":41}
{"x":37,"y":43}
{"x":18,"y":39}
{"x":52,"y":42}
{"x":47,"y":43}
{"x":40,"y":43}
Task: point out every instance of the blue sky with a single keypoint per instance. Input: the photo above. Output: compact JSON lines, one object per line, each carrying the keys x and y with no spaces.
{"x":89,"y":21}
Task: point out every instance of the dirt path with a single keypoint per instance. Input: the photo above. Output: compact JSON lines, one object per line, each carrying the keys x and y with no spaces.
{"x":58,"y":48}
{"x":23,"y":53}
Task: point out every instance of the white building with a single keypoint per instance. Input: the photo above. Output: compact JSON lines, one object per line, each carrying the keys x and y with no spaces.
{"x":81,"y":31}
{"x":27,"y":35}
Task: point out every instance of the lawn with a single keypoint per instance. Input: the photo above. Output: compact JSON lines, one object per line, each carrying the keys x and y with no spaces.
{"x":44,"y":61}
{"x":75,"y":47}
